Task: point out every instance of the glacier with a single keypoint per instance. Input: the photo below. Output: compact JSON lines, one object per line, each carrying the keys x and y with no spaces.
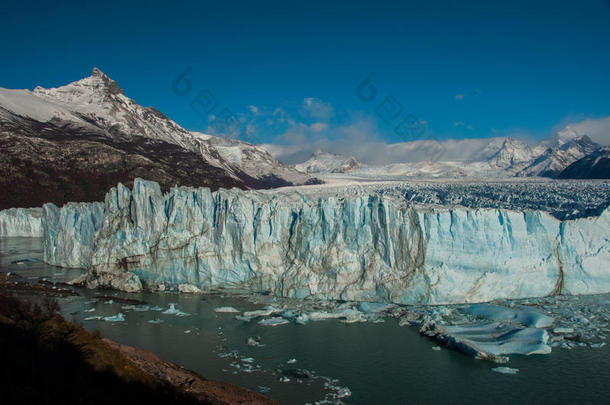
{"x":25,"y":222}
{"x":356,"y":247}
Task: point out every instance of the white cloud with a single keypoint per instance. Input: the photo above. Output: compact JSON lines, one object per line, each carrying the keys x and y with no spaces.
{"x":597,"y":129}
{"x":318,"y":126}
{"x":317,"y":109}
{"x":459,"y":96}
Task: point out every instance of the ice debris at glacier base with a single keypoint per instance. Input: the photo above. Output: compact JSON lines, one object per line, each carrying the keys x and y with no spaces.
{"x":484,"y":331}
{"x":353,"y":246}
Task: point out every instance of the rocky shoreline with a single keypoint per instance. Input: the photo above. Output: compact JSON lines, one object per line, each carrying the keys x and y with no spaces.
{"x":38,"y":327}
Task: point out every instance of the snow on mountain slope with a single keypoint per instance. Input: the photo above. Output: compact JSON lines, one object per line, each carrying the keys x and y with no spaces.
{"x":593,"y":166}
{"x":513,"y":153}
{"x":323,"y":162}
{"x":252,"y":160}
{"x":499,"y":157}
{"x":370,"y":247}
{"x":99,"y":99}
{"x":73,"y":142}
{"x":558,"y":156}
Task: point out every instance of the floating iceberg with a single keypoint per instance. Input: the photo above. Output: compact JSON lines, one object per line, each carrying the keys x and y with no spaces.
{"x":172,"y":310}
{"x":491,"y":340}
{"x":505,"y":370}
{"x":524,"y":315}
{"x":275,"y":321}
{"x":116,"y":318}
{"x":226,"y":310}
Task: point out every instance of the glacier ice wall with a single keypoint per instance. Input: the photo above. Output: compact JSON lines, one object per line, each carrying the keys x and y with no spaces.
{"x":68,"y":233}
{"x":370,"y":248}
{"x":21,"y":222}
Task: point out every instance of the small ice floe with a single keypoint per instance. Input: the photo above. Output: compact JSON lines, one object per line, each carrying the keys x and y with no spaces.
{"x":437,"y":348}
{"x":345,"y":313}
{"x":189,"y":288}
{"x":299,"y":373}
{"x":142,"y":308}
{"x":291,"y":361}
{"x":262,"y":312}
{"x":263,"y":389}
{"x":301,"y":319}
{"x":89,"y":310}
{"x":109,"y":302}
{"x":254,"y":341}
{"x":24,"y":261}
{"x":505,"y":370}
{"x":172,"y":310}
{"x":284,"y":379}
{"x":598,"y":345}
{"x":154,"y":321}
{"x":187,"y":331}
{"x":243,"y":318}
{"x":275,"y":321}
{"x":115,"y":318}
{"x":156,"y":308}
{"x":523,"y":315}
{"x":128,"y":307}
{"x":226,"y":310}
{"x":248,"y":360}
{"x":93,"y":318}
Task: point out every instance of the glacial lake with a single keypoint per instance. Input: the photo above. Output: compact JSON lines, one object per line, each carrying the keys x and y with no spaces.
{"x":380,"y":363}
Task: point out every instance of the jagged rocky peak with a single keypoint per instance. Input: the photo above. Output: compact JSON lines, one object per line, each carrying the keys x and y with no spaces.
{"x":325,"y":162}
{"x":98,"y":83}
{"x":512,"y":152}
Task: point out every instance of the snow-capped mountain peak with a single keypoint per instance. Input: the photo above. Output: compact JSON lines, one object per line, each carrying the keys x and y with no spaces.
{"x":513,"y":152}
{"x":324,"y":162}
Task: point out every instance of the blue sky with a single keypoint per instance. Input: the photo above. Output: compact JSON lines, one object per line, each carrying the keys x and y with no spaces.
{"x":291,"y":69}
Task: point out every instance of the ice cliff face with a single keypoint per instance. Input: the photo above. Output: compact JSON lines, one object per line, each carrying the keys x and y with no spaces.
{"x":370,"y":248}
{"x":69,"y":233}
{"x":21,"y":222}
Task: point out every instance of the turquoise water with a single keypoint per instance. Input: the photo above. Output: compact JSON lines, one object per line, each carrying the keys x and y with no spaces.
{"x":379,"y":362}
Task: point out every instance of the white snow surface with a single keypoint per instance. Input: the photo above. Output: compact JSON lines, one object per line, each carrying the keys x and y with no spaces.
{"x":361,"y":247}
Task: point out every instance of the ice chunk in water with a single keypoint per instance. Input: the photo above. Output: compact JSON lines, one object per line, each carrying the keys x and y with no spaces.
{"x":172,"y":310}
{"x":505,"y":370}
{"x":275,"y":321}
{"x":116,"y":318}
{"x":226,"y":310}
{"x":523,"y":315}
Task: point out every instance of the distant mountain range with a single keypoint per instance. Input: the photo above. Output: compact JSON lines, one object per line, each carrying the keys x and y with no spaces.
{"x":324,"y":162}
{"x":499,"y":157}
{"x":593,"y":166}
{"x":74,"y":142}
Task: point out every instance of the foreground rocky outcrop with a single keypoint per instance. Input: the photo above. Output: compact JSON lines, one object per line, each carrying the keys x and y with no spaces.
{"x":361,"y":247}
{"x":47,"y":360}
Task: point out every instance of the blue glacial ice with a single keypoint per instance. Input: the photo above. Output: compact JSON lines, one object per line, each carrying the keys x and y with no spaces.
{"x":357,"y":247}
{"x":524,"y":315}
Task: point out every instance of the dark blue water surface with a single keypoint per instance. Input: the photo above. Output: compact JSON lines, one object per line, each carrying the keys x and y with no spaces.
{"x":380,"y":363}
